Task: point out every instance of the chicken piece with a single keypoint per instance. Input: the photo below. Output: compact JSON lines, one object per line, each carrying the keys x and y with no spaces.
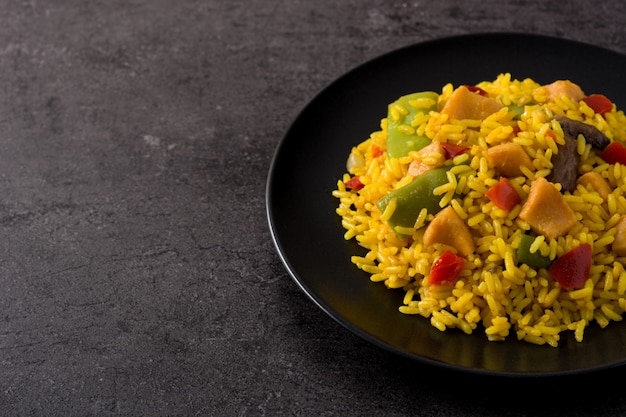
{"x":546,"y":210}
{"x":429,"y":157}
{"x":448,"y":228}
{"x":594,"y":181}
{"x":507,"y":159}
{"x":463,"y":104}
{"x":619,"y":244}
{"x":565,"y":88}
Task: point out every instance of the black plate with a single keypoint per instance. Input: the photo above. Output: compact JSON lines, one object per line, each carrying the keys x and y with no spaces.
{"x":311,"y":157}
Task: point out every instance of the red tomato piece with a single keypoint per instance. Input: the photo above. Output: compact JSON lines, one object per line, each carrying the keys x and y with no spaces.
{"x":571,"y":269}
{"x":599,"y":103}
{"x":476,"y":90}
{"x":450,"y":150}
{"x":354,"y":183}
{"x":615,"y":153}
{"x":504,"y":195}
{"x":446,"y":268}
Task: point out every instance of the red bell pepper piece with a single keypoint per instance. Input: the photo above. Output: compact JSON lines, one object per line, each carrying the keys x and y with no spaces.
{"x":571,"y":269}
{"x":446,"y":268}
{"x":504,"y":195}
{"x":599,"y":103}
{"x":615,"y":153}
{"x":450,"y":150}
{"x":476,"y":90}
{"x":376,"y":151}
{"x":354,"y":183}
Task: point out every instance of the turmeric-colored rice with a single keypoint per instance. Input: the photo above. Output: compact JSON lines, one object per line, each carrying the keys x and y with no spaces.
{"x":494,"y":293}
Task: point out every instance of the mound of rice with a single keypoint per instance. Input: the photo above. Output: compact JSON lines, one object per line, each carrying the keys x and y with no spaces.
{"x":494,"y":293}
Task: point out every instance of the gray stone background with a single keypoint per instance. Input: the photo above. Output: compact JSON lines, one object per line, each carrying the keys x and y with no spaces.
{"x":137,"y":273}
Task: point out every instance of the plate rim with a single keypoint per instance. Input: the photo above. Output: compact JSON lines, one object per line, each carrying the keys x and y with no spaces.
{"x":317,"y":300}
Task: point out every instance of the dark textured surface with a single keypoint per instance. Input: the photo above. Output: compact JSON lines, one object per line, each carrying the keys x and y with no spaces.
{"x":137,"y":273}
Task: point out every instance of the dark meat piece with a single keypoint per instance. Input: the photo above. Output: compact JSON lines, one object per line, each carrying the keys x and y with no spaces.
{"x":565,"y":163}
{"x":592,"y":135}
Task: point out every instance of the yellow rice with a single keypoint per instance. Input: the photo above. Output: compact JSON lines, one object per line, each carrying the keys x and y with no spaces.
{"x":494,"y":294}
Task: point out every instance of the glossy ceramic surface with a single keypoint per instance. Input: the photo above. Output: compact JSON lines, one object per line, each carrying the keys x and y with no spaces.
{"x":311,"y":157}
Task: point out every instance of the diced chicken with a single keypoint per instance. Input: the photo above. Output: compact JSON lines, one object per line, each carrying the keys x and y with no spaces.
{"x":619,"y":244}
{"x":464,"y":104}
{"x":594,"y":181}
{"x":563,"y":88}
{"x":507,"y":159}
{"x":546,"y":210}
{"x":429,"y":157}
{"x":449,"y":229}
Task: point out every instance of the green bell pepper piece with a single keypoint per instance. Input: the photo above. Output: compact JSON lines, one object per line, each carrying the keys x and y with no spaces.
{"x":536,"y":260}
{"x":413,"y":197}
{"x":519,"y":110}
{"x":400,"y":141}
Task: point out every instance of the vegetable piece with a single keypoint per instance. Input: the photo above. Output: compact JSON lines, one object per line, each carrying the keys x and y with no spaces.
{"x":477,"y":90}
{"x":592,"y":134}
{"x":507,"y":159}
{"x":546,"y":210}
{"x":504,"y":195}
{"x":413,"y":197}
{"x":565,"y":164}
{"x":566,"y":161}
{"x":450,"y":150}
{"x":446,"y":268}
{"x":615,"y":153}
{"x":354,"y":183}
{"x":599,"y":103}
{"x":571,"y":269}
{"x":619,"y":243}
{"x":401,"y":136}
{"x":518,"y":110}
{"x":463,"y":104}
{"x":564,"y":88}
{"x":355,"y":160}
{"x":525,"y":256}
{"x":376,"y":151}
{"x":449,"y":229}
{"x":594,"y":181}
